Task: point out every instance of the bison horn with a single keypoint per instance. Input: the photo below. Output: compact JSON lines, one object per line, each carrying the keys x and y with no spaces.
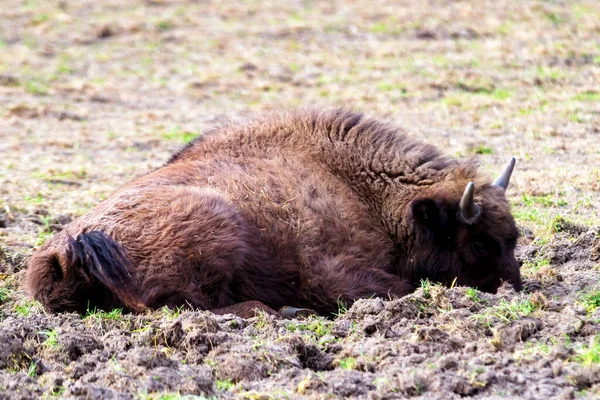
{"x":469,"y":211}
{"x":504,"y":178}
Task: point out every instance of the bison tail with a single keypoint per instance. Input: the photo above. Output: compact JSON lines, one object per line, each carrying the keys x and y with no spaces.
{"x":102,"y":258}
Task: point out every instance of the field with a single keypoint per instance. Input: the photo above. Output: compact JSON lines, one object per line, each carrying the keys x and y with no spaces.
{"x":95,"y":93}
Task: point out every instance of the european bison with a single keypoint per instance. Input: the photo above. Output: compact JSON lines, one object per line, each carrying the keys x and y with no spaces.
{"x":300,"y":209}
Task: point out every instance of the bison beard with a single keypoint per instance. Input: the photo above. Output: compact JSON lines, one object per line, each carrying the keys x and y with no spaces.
{"x":288,"y":211}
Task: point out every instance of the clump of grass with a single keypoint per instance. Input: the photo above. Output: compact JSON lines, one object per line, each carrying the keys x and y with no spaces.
{"x":100,"y":316}
{"x":588,"y":354}
{"x":37,"y":199}
{"x":342,"y":308}
{"x":587,"y":96}
{"x":32,"y":370}
{"x":348,"y":363}
{"x":317,"y":326}
{"x":507,"y":311}
{"x":57,"y":391}
{"x":164,"y":25}
{"x":426,"y":287}
{"x":535,"y":349}
{"x":178,"y":134}
{"x":36,"y":87}
{"x":547,"y":200}
{"x":591,"y":301}
{"x":114,"y":315}
{"x":4,"y":294}
{"x":501,"y":94}
{"x":435,"y":296}
{"x":483,"y":150}
{"x":539,"y":214}
{"x":537,"y":265}
{"x":25,"y":307}
{"x":51,"y":338}
{"x":555,"y":18}
{"x":474,"y":295}
{"x":224,"y":384}
{"x":263,"y":320}
{"x":171,"y":313}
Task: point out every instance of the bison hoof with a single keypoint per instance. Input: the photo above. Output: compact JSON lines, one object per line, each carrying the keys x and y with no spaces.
{"x":293,"y":312}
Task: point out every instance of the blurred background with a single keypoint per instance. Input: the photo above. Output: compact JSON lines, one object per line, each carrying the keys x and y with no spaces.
{"x":94,"y":93}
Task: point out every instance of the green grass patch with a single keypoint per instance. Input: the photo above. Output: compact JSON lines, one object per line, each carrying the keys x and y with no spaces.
{"x":100,"y":315}
{"x":587,"y":96}
{"x":440,"y":61}
{"x":342,"y":307}
{"x":164,"y":25}
{"x":483,"y":150}
{"x":36,"y":87}
{"x":37,"y":199}
{"x":539,"y":269}
{"x":224,"y":384}
{"x":545,"y":201}
{"x":535,"y":349}
{"x":178,"y":134}
{"x":591,"y":301}
{"x":506,"y":311}
{"x":379,"y":27}
{"x":4,"y":294}
{"x":474,"y":295}
{"x":171,"y":313}
{"x":391,"y":87}
{"x":552,"y":74}
{"x":24,"y":307}
{"x":317,"y":326}
{"x":32,"y":369}
{"x":426,"y":287}
{"x":348,"y":363}
{"x":453,"y":101}
{"x":542,"y":221}
{"x":525,"y":111}
{"x":51,"y":338}
{"x":588,"y":354}
{"x":57,"y":391}
{"x":501,"y":94}
{"x":554,"y":18}
{"x":63,"y":65}
{"x":536,"y":264}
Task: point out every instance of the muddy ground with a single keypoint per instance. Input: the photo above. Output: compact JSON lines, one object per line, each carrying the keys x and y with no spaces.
{"x":94,"y":93}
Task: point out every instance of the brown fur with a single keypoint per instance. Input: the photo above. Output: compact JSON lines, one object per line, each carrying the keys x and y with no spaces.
{"x":297,"y":209}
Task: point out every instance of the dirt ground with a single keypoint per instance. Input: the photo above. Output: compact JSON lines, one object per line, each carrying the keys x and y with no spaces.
{"x":95,"y":93}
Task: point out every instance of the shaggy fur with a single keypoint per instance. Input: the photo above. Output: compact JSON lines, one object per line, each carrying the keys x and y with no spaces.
{"x":300,"y":209}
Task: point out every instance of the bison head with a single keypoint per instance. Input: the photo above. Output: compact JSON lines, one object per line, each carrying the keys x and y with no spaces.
{"x":466,"y":236}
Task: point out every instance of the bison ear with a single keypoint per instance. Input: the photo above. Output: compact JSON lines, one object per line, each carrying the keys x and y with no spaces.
{"x":427,"y":213}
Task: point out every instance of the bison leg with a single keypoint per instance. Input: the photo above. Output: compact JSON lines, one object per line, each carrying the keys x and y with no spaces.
{"x":373,"y":282}
{"x":247,"y":309}
{"x":347,"y":281}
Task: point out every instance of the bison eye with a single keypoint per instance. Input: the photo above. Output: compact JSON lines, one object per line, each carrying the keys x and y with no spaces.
{"x":479,"y":248}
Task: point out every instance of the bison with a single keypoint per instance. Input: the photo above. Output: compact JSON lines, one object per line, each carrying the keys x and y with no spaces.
{"x":285,"y":211}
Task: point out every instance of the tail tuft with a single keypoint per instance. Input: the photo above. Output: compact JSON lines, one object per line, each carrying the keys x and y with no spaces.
{"x":104,"y":259}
